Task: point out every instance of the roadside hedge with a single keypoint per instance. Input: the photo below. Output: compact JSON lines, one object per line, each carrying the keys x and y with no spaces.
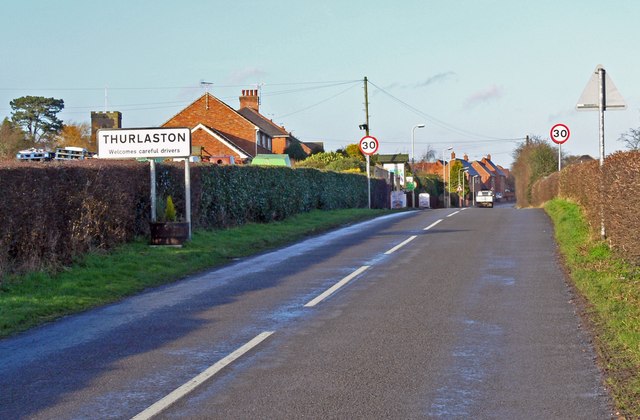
{"x":613,"y":190}
{"x":56,"y":211}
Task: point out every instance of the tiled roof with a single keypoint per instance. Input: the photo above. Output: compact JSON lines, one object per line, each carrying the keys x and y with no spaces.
{"x":493,"y":167}
{"x":264,"y":124}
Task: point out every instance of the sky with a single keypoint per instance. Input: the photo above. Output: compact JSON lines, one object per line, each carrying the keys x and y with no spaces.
{"x":480,"y":74}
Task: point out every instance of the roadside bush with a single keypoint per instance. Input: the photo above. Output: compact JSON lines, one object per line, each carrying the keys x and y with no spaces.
{"x":56,"y":211}
{"x":545,"y":189}
{"x":612,"y":191}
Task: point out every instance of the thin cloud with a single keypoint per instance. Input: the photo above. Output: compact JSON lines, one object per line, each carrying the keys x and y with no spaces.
{"x":438,"y":78}
{"x":486,"y":95}
{"x":558,"y":116}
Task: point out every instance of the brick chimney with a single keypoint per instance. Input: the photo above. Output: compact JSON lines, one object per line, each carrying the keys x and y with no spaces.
{"x":488,"y":157}
{"x":466,"y":157}
{"x":453,"y":155}
{"x":250,"y":99}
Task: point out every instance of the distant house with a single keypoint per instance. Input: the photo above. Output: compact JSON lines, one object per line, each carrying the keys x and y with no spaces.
{"x":500,"y":176}
{"x":487,"y":178}
{"x":429,"y":168}
{"x":479,"y":175}
{"x":222,"y":134}
{"x":280,"y":140}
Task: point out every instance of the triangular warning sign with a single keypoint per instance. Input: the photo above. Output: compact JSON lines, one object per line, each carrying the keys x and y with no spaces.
{"x":590,"y":98}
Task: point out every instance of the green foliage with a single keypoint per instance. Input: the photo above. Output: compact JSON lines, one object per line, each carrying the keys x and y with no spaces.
{"x":533,"y":160}
{"x":610,"y":286}
{"x":99,"y":204}
{"x":348,"y":164}
{"x":431,"y":184}
{"x":456,"y":173}
{"x":320,"y":160}
{"x":170,"y":210}
{"x":348,"y":160}
{"x":295,"y":151}
{"x":353,"y":151}
{"x":38,"y":116}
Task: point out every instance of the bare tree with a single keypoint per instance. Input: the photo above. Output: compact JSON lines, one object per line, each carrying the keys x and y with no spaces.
{"x":631,"y":139}
{"x":429,"y":155}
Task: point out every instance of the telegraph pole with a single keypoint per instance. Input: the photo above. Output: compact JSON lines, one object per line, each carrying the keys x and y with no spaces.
{"x":366,"y":105}
{"x":366,"y":130}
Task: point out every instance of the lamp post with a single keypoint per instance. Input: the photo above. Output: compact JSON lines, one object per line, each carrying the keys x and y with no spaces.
{"x":464,"y":200}
{"x":413,"y":133}
{"x":474,"y":189}
{"x":444,"y":177}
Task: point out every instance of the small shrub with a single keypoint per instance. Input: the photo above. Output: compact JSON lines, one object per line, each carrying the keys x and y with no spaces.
{"x":170,"y":210}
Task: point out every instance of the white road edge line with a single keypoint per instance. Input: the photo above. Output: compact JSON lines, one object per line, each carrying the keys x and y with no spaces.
{"x":335,"y":287}
{"x":180,"y":392}
{"x":400,"y":245}
{"x":432,"y":224}
{"x":454,"y":213}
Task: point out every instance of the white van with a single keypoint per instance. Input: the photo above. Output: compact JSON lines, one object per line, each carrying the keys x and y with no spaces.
{"x":484,"y":198}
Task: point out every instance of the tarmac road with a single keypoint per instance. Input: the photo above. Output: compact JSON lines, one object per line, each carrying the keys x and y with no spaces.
{"x":439,"y":313}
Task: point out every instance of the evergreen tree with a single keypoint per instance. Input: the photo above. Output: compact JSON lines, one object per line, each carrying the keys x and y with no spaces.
{"x":37,"y":115}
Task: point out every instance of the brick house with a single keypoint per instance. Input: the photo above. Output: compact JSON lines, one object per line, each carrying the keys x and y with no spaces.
{"x":500,"y":176}
{"x":277,"y":136}
{"x":222,"y":134}
{"x":487,"y":178}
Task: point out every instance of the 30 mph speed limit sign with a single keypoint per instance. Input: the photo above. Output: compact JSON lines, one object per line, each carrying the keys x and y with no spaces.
{"x":369,"y":145}
{"x":560,"y":133}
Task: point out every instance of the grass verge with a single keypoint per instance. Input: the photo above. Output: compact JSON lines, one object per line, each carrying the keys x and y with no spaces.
{"x":611,"y":290}
{"x":98,"y":279}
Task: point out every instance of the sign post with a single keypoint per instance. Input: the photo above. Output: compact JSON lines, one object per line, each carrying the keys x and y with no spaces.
{"x":559,"y":134}
{"x":599,"y":95}
{"x":150,"y":143}
{"x":369,"y":146}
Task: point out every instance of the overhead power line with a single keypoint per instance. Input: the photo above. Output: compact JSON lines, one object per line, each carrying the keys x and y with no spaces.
{"x":317,"y":103}
{"x":439,"y":122}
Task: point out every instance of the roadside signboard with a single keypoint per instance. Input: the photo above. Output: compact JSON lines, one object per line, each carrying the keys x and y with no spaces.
{"x":150,"y":143}
{"x":144,"y":143}
{"x":560,"y":133}
{"x":369,"y":145}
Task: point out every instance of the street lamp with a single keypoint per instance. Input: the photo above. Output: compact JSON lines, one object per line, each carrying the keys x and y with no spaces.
{"x":413,"y":133}
{"x":464,"y":201}
{"x":474,"y":189}
{"x":444,"y":178}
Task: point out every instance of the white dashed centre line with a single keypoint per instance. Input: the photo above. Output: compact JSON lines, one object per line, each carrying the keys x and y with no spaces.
{"x":432,"y":224}
{"x":400,"y":245}
{"x":180,"y":392}
{"x":336,"y":286}
{"x":454,"y":213}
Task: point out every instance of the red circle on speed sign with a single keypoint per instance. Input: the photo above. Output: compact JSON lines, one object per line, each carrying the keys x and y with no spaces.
{"x":369,"y":145}
{"x":560,"y":133}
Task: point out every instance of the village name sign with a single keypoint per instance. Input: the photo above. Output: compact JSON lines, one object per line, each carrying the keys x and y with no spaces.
{"x":143,"y":143}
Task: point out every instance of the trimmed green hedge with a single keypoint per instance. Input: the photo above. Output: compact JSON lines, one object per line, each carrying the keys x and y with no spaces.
{"x":55,"y":211}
